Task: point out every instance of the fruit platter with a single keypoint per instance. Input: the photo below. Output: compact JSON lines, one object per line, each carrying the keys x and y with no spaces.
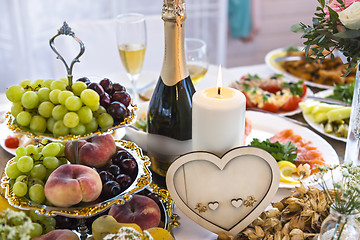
{"x":159,"y":223}
{"x":63,"y":110}
{"x":49,"y":110}
{"x":112,"y":185}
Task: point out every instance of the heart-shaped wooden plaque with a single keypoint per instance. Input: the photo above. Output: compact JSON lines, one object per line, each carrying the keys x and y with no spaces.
{"x":224,"y":194}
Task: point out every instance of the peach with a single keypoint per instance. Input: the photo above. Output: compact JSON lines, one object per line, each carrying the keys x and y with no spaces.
{"x":59,"y":234}
{"x":72,"y":183}
{"x":139,"y":209}
{"x":94,"y":152}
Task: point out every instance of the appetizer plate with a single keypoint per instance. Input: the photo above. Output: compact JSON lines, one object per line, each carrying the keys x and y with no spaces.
{"x":263,"y":127}
{"x":310,"y":120}
{"x":318,"y":127}
{"x":4,"y":133}
{"x":289,"y":113}
{"x":277,"y":68}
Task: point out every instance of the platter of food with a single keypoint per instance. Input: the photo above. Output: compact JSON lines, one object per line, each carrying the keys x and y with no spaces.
{"x":38,"y":178}
{"x":260,"y":126}
{"x":161,"y":216}
{"x":274,"y":93}
{"x":315,"y":74}
{"x":262,"y":129}
{"x":159,"y":222}
{"x":55,"y":110}
{"x":331,"y":120}
{"x":328,"y":119}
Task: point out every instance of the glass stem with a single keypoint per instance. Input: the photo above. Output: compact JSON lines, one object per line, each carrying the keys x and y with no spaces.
{"x":133,"y":79}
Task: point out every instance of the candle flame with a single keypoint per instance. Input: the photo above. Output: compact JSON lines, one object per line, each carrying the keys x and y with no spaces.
{"x":219,"y":80}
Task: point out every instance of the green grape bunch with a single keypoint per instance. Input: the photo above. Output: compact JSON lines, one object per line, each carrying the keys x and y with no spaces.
{"x":51,"y":106}
{"x":31,"y":167}
{"x":47,"y":106}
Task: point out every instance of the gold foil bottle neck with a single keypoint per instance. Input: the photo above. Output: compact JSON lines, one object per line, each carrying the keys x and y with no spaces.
{"x":174,"y":11}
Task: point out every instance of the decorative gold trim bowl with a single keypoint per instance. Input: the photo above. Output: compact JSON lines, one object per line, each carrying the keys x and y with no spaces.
{"x":13,"y":126}
{"x":143,"y":179}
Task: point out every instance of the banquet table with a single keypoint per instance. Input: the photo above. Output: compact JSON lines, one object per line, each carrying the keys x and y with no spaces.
{"x":189,"y":230}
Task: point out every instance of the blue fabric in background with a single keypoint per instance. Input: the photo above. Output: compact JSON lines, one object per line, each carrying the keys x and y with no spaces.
{"x":239,"y":13}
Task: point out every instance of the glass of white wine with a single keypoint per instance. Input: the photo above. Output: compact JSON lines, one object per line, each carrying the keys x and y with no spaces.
{"x":196,"y":59}
{"x":131,"y":41}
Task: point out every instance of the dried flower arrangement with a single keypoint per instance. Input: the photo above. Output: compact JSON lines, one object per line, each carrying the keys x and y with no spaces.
{"x":297,"y":217}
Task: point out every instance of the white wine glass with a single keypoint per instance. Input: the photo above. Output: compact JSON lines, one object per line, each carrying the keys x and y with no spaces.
{"x":196,"y":59}
{"x":131,"y":41}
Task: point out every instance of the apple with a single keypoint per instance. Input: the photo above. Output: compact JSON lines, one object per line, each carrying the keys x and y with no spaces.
{"x":94,"y":152}
{"x":139,"y":209}
{"x":70,"y":184}
{"x":58,"y":234}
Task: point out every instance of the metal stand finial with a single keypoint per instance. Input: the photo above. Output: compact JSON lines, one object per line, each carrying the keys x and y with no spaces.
{"x":66,"y":30}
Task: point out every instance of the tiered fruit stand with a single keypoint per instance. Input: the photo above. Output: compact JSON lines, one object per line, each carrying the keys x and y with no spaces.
{"x":83,"y":211}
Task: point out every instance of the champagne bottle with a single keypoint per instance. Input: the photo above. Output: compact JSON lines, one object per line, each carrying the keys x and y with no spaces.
{"x":169,"y":113}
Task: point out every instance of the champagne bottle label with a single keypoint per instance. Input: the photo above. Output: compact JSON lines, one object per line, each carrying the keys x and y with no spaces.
{"x":174,"y":65}
{"x":164,"y":150}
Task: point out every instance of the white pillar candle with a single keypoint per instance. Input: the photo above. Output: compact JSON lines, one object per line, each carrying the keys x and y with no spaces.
{"x":218,"y":119}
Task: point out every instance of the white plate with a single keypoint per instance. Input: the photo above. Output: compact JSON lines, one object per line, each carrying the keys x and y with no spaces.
{"x":4,"y":133}
{"x":263,"y":127}
{"x":318,"y":127}
{"x":277,"y":68}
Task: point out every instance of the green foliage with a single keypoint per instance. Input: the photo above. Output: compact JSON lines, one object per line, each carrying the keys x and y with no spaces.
{"x":296,"y":88}
{"x":327,"y":33}
{"x":343,"y":92}
{"x":292,"y":48}
{"x":281,"y":152}
{"x":255,"y":76}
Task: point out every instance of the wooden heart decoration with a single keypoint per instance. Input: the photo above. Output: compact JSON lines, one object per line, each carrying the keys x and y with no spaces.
{"x":224,"y":194}
{"x":213,"y":205}
{"x":237,"y":202}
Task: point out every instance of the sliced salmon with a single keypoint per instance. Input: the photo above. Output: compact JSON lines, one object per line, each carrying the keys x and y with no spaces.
{"x":306,"y":152}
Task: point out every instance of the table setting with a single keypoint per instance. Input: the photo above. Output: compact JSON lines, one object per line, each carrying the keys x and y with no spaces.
{"x":197,"y":151}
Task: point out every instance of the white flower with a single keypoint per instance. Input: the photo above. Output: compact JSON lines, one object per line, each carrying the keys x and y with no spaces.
{"x":350,"y":17}
{"x":338,"y":185}
{"x":345,"y":172}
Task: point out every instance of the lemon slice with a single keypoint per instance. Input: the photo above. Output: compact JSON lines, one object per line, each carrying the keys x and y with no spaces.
{"x":286,"y":171}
